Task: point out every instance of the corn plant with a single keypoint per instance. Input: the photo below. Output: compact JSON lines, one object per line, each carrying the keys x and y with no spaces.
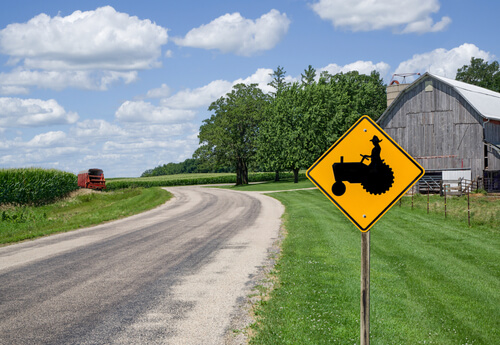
{"x":34,"y":186}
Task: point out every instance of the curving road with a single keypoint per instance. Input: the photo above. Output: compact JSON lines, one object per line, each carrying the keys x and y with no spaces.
{"x":172,"y":275}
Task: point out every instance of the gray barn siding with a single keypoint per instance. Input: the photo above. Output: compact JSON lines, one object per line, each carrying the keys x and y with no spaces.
{"x":439,"y":128}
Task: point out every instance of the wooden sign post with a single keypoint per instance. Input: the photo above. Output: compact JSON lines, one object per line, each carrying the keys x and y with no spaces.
{"x":365,"y":288}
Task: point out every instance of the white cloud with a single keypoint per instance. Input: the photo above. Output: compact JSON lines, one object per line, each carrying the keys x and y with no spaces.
{"x":140,"y":111}
{"x":17,"y":112}
{"x":13,"y":89}
{"x":202,"y":97}
{"x":363,"y":67}
{"x":49,"y":139}
{"x":22,"y":78}
{"x":427,"y":25}
{"x":443,"y":62}
{"x":85,"y":49}
{"x":100,"y":39}
{"x":161,"y":92}
{"x":405,"y":16}
{"x":236,"y":34}
{"x":96,"y":129}
{"x":262,"y":77}
{"x":199,"y":97}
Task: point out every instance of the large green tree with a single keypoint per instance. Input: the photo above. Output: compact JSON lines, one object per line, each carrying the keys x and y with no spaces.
{"x":269,"y":152}
{"x":303,"y":120}
{"x":281,"y":132}
{"x":229,"y":136}
{"x":481,"y":73}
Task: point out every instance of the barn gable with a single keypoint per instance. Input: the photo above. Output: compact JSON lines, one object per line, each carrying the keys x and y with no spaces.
{"x":446,"y":124}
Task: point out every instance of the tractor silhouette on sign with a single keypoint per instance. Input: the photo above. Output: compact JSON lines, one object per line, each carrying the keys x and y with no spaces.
{"x":376,"y":178}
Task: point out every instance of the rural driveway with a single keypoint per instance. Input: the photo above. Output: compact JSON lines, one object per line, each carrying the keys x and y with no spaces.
{"x":172,"y":275}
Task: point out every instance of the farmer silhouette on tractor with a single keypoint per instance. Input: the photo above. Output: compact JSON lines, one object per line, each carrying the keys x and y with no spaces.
{"x":375,"y":178}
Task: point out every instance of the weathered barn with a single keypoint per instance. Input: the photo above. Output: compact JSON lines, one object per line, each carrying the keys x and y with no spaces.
{"x":451,"y":128}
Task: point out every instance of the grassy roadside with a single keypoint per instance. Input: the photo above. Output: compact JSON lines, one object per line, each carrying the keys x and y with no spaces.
{"x":433,"y":280}
{"x":283,"y":184}
{"x":189,"y":179}
{"x":84,"y":209}
{"x":484,"y":209}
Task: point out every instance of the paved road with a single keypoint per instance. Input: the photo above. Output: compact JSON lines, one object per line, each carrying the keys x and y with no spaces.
{"x":172,"y":275}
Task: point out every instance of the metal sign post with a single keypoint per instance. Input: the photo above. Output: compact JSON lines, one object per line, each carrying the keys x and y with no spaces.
{"x":365,"y":288}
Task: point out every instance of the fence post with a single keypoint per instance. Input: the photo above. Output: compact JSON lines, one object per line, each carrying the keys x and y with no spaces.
{"x":428,"y":194}
{"x":412,"y":194}
{"x":468,"y":206}
{"x":445,"y":202}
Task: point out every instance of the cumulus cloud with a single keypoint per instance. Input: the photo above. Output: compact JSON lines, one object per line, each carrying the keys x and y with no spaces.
{"x":141,"y":111}
{"x":161,"y":92}
{"x":232,"y":33}
{"x":203,"y":96}
{"x":363,"y":67}
{"x":443,"y":62}
{"x":199,"y":97}
{"x":17,"y":112}
{"x":262,"y":77}
{"x":96,"y":129}
{"x":90,"y":49}
{"x":12,"y":89}
{"x":22,"y":78}
{"x":404,"y":16}
{"x":100,"y":39}
{"x":49,"y":139}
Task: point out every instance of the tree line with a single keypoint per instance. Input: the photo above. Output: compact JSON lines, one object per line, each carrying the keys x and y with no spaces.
{"x":189,"y":166}
{"x":289,"y":128}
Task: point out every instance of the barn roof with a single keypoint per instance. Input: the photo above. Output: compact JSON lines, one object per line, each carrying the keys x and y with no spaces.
{"x":486,"y":102}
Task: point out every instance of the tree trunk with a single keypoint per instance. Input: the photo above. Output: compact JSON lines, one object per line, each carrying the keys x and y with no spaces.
{"x":238,"y":173}
{"x":277,"y":176}
{"x":244,"y":172}
{"x":296,"y":175}
{"x":241,"y":172}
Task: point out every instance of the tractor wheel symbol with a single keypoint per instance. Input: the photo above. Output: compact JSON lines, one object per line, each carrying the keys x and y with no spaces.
{"x":379,"y":181}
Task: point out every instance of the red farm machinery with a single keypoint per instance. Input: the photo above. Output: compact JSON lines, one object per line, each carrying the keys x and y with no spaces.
{"x":92,"y":178}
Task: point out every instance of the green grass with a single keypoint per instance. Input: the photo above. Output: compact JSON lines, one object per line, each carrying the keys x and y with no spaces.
{"x":188,"y":179}
{"x":433,"y":280}
{"x":484,"y":209}
{"x":283,"y":184}
{"x":21,"y":223}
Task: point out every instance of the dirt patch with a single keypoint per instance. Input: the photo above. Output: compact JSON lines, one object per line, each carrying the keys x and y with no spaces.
{"x":80,"y":191}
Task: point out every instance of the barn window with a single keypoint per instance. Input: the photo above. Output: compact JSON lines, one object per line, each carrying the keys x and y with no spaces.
{"x":428,"y":86}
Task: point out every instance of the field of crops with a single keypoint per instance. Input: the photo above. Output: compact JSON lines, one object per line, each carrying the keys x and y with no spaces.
{"x":189,"y":179}
{"x":34,"y":186}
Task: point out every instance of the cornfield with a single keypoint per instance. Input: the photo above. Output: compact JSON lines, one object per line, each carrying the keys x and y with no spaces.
{"x":34,"y":186}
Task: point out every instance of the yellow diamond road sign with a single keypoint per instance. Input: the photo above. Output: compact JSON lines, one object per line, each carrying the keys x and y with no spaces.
{"x":364,"y":173}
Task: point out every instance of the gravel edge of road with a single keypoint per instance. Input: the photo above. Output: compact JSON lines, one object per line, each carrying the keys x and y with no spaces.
{"x":239,"y":332}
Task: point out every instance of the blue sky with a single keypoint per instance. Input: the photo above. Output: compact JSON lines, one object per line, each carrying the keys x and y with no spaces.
{"x":125,"y":85}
